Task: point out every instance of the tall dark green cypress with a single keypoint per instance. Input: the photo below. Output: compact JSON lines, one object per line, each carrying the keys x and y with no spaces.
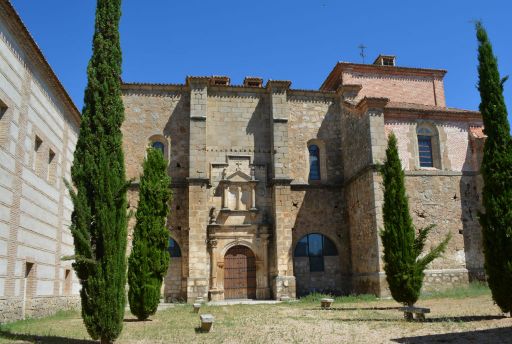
{"x":149,"y":259}
{"x":497,"y":175}
{"x":402,"y":248}
{"x":99,"y":217}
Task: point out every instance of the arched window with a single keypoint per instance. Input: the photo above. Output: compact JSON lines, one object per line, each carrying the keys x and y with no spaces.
{"x":174,"y":248}
{"x":314,"y":162}
{"x":159,"y":146}
{"x":316,"y":247}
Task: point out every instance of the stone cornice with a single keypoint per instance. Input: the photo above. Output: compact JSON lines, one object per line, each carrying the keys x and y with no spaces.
{"x":37,"y":57}
{"x":368,"y":103}
{"x":139,"y":86}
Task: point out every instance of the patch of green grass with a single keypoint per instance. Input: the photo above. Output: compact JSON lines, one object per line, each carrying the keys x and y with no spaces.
{"x":471,"y":290}
{"x":316,"y":297}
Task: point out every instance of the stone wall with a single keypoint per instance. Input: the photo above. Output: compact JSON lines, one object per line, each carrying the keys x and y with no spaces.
{"x":328,"y":281}
{"x":40,"y":124}
{"x":173,"y":286}
{"x":451,"y":202}
{"x":156,"y":115}
{"x":447,"y":197}
{"x":238,"y":139}
{"x":321,"y":210}
{"x":17,"y":309}
{"x":398,"y":87}
{"x":452,"y":142}
{"x":314,"y":118}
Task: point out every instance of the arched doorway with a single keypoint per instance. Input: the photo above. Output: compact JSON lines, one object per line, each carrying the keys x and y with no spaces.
{"x":239,"y":273}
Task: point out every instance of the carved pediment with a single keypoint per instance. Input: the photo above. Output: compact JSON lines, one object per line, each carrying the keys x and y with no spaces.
{"x":239,"y":177}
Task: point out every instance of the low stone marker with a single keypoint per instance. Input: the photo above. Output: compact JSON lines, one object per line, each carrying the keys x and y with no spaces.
{"x":196,"y":307}
{"x":206,"y":322}
{"x":418,"y":311}
{"x":200,"y":299}
{"x":326,"y":303}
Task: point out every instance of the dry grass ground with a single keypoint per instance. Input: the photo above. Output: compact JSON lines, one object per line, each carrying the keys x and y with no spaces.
{"x":460,"y":316}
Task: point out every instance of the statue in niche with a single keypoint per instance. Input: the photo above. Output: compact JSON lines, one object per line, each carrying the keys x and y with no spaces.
{"x":253,"y":174}
{"x":213,"y":216}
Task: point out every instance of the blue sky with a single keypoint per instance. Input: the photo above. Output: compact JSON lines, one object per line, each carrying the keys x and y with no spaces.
{"x":163,"y":40}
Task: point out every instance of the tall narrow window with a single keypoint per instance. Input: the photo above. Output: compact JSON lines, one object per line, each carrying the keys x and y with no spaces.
{"x":4,"y":128}
{"x":67,"y":282}
{"x":52,"y":167}
{"x":30,"y":281}
{"x":3,"y":109}
{"x":425,"y":147}
{"x":314,"y":162}
{"x":37,"y":150}
{"x":159,"y":146}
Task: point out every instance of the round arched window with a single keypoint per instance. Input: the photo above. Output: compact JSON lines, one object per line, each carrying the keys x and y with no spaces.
{"x":159,"y":146}
{"x":174,"y":248}
{"x":315,"y":246}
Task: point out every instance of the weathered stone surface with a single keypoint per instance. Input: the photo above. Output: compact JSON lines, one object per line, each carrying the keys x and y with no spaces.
{"x":245,"y":182}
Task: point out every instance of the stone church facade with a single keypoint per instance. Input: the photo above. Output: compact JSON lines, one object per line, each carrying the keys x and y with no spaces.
{"x":276,"y":191}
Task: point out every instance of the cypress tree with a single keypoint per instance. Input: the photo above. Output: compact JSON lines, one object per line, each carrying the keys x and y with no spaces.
{"x":402,"y":248}
{"x":149,"y":259}
{"x":496,"y":171}
{"x":99,"y":217}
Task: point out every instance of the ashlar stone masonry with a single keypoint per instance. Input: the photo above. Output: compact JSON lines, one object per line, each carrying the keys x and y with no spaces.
{"x":275,"y":190}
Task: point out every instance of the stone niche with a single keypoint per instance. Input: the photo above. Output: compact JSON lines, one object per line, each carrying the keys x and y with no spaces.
{"x":236,"y":189}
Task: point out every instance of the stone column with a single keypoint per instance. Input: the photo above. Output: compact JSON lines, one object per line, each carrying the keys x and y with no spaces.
{"x":263,"y":290}
{"x":253,"y":196}
{"x":213,"y":263}
{"x":198,"y":279}
{"x":283,"y":280}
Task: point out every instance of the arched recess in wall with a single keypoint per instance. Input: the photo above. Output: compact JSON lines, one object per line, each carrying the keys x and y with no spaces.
{"x":173,"y":280}
{"x":316,"y":265}
{"x":428,"y":147}
{"x":161,"y":143}
{"x":317,"y":164}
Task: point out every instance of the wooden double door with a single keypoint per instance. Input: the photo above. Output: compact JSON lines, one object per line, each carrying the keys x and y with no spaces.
{"x":239,"y":273}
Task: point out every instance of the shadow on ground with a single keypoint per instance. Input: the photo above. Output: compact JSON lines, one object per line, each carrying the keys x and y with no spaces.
{"x":354,"y":309}
{"x":136,"y":320}
{"x":469,"y":318}
{"x":4,"y":334}
{"x":495,"y":335}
